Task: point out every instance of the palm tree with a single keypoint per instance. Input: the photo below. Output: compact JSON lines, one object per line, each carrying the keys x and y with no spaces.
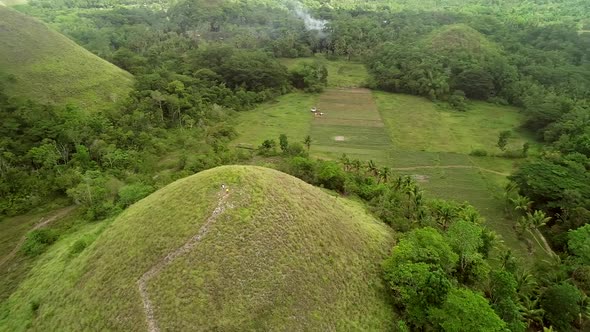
{"x":538,"y":219}
{"x":531,"y":311}
{"x":307,"y":142}
{"x":398,"y":183}
{"x":356,"y":164}
{"x":534,"y":221}
{"x":372,"y":168}
{"x":521,"y":203}
{"x":384,"y":174}
{"x":345,"y":161}
{"x":526,"y":284}
{"x":584,"y":309}
{"x":522,"y":225}
{"x":444,"y":213}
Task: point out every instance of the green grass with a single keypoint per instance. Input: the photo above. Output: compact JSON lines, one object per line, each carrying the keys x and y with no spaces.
{"x":12,"y":229}
{"x":351,"y":125}
{"x":426,"y":134}
{"x":50,"y":68}
{"x":341,"y":73}
{"x":289,"y":114}
{"x":286,"y":255}
{"x":404,"y":132}
{"x":11,"y":2}
{"x":416,"y":124}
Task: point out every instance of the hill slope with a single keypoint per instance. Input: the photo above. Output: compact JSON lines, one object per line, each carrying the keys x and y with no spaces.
{"x":272,"y":254}
{"x":50,"y":68}
{"x":461,"y":38}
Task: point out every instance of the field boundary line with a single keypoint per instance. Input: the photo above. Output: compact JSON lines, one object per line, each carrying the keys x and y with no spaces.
{"x":449,"y":167}
{"x":42,"y":223}
{"x":142,"y":282}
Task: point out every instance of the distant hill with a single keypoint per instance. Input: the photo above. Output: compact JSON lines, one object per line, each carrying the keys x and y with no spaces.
{"x":455,"y":38}
{"x":48,"y":67}
{"x":272,"y":254}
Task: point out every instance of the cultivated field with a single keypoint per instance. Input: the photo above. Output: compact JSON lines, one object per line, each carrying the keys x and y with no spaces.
{"x":410,"y":134}
{"x":433,"y":145}
{"x":351,"y":124}
{"x":288,"y":115}
{"x":341,"y":74}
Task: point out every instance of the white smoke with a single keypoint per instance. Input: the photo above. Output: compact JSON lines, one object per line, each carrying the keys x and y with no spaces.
{"x":310,"y":22}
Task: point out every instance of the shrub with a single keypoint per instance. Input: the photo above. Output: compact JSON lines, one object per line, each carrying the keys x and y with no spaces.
{"x":302,"y":168}
{"x":331,"y":176}
{"x":37,"y":241}
{"x":478,"y":153}
{"x":268,"y":148}
{"x":78,"y":247}
{"x":512,"y":154}
{"x":296,"y":149}
{"x":498,"y":101}
{"x":102,"y":210}
{"x":560,"y":303}
{"x":132,"y":193}
{"x":458,"y":101}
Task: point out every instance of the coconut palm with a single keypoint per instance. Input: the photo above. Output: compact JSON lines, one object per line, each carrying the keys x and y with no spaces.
{"x":531,"y":311}
{"x":356,"y":165}
{"x":521,"y":204}
{"x":537,"y":219}
{"x":526,"y":284}
{"x":384,"y":174}
{"x":345,"y":162}
{"x":372,"y":168}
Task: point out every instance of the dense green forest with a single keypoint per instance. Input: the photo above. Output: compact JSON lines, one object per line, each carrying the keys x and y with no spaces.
{"x":198,"y":63}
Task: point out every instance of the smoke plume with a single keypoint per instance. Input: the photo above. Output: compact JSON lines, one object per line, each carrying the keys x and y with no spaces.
{"x":310,"y":22}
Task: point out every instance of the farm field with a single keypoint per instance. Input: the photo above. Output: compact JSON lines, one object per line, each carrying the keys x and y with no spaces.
{"x":341,"y":74}
{"x":417,"y":124}
{"x":288,"y":115}
{"x":433,"y":145}
{"x":410,"y":134}
{"x":351,"y":124}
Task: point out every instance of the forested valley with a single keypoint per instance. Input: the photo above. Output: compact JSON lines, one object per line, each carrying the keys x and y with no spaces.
{"x":198,"y":65}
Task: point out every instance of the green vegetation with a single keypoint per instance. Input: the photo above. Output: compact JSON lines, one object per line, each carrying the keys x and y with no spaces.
{"x":416,"y":124}
{"x":49,"y":68}
{"x":341,"y":74}
{"x":303,"y":258}
{"x":269,"y":119}
{"x":351,"y":124}
{"x":504,"y":130}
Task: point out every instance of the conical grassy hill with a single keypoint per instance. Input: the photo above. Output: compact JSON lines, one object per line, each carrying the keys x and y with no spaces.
{"x":272,"y":253}
{"x":49,"y":68}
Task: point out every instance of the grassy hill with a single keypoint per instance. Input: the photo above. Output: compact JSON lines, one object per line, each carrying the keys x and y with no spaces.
{"x":460,"y":38}
{"x":272,"y":254}
{"x":50,"y":68}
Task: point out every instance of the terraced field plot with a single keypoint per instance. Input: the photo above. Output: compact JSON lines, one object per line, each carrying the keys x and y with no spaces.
{"x":289,"y":115}
{"x":433,"y":145}
{"x":410,"y":134}
{"x":351,"y":124}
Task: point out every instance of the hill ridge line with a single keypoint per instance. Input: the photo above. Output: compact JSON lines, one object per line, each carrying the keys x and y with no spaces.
{"x":171,"y":257}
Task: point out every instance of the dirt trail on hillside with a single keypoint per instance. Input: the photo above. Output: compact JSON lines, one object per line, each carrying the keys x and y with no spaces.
{"x":42,"y":223}
{"x":142,"y":283}
{"x":450,"y":167}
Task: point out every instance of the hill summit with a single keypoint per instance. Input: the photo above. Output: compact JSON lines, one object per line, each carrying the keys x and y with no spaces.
{"x":232,"y":248}
{"x":50,"y":68}
{"x":460,"y":38}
